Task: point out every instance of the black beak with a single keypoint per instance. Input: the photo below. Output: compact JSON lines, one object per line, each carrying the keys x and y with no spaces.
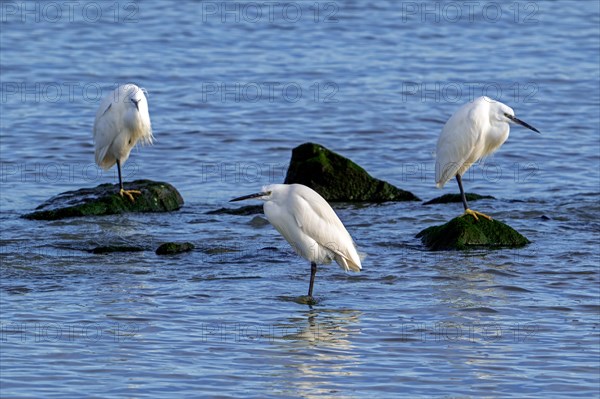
{"x":136,"y":104}
{"x":520,"y":122}
{"x":245,"y":197}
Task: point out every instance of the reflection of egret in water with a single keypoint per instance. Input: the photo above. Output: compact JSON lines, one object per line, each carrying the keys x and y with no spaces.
{"x":316,"y":360}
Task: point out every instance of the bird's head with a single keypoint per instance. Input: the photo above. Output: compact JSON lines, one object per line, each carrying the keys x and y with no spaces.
{"x":265,"y":194}
{"x":136,"y":118}
{"x":504,"y":113}
{"x":135,"y":97}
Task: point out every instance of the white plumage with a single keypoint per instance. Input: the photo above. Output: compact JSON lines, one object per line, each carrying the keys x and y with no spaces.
{"x":474,"y":131}
{"x":309,"y":225}
{"x":121,"y":121}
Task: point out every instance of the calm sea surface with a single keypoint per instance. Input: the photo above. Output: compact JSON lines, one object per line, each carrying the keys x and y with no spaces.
{"x":233,"y":87}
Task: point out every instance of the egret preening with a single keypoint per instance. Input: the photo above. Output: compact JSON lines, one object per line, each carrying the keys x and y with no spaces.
{"x":310,"y":225}
{"x":476,"y":130}
{"x":121,"y":121}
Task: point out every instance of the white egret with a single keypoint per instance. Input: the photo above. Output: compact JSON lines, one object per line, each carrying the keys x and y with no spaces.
{"x":121,"y":121}
{"x":476,"y":130}
{"x":310,"y":225}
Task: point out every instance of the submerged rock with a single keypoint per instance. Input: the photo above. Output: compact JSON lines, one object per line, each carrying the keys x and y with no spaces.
{"x":241,"y":211}
{"x":448,"y":198}
{"x":170,"y":248}
{"x":337,"y":178}
{"x":107,"y":249}
{"x":219,"y":250}
{"x":465,"y":232}
{"x":258,"y":221}
{"x":105,"y":200}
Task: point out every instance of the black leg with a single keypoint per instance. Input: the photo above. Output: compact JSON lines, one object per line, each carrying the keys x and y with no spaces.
{"x":462,"y":192}
{"x":313,"y":273}
{"x":119,"y":169}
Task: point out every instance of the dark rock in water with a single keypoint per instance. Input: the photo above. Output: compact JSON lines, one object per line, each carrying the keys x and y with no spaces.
{"x":448,"y":198}
{"x":170,"y":248}
{"x":465,"y":232}
{"x":115,"y":248}
{"x":105,"y":200}
{"x":219,"y":250}
{"x":339,"y":179}
{"x":258,"y":221}
{"x":243,"y":211}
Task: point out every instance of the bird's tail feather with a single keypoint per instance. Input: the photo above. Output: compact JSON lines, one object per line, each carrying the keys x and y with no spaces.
{"x":347,"y":264}
{"x":104,"y":161}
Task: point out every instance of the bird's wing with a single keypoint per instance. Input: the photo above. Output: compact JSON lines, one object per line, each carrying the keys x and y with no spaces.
{"x":315,"y":217}
{"x":105,"y":131}
{"x":455,"y":145}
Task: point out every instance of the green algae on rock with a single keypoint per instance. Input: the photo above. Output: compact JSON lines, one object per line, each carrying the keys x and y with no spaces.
{"x":170,"y":248}
{"x":105,"y":200}
{"x":450,"y":198}
{"x":464,"y":232}
{"x":337,"y":178}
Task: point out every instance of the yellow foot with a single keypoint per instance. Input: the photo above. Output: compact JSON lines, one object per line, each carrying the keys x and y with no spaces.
{"x":475,"y":214}
{"x":129,"y":194}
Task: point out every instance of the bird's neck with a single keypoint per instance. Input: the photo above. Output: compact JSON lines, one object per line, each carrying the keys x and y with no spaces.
{"x":496,"y":137}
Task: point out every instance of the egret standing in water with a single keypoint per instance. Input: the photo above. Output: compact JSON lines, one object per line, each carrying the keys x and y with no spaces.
{"x":310,"y":225}
{"x":476,"y":130}
{"x":121,"y":121}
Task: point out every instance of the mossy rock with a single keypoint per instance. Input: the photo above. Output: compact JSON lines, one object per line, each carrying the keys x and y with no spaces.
{"x":105,"y":200}
{"x":464,"y":232}
{"x":337,"y":178}
{"x":170,"y":248}
{"x":450,"y":198}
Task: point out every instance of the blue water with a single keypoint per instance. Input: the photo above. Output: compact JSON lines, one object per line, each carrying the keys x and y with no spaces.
{"x":232,"y":89}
